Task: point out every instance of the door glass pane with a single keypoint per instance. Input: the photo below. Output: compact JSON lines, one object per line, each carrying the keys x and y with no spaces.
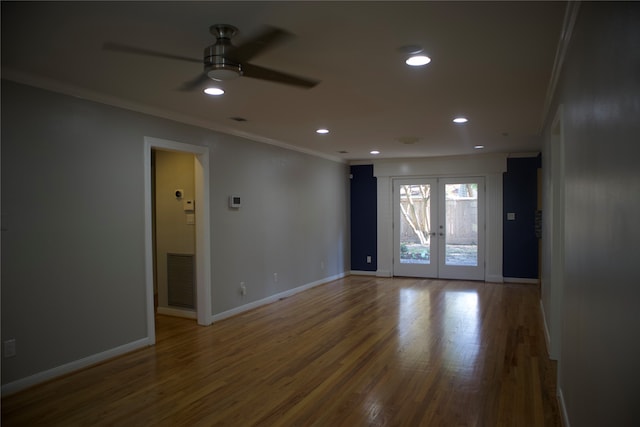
{"x":415,"y":224}
{"x":461,"y":221}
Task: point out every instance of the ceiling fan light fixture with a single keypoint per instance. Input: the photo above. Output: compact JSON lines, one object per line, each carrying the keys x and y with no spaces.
{"x":214,"y":91}
{"x":225,"y":72}
{"x":410,"y":49}
{"x":418,"y":60}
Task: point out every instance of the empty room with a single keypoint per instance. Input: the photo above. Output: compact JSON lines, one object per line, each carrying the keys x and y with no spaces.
{"x":320,"y":213}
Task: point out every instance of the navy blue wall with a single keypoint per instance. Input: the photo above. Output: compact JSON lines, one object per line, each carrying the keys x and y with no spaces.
{"x":363,"y":218}
{"x":520,"y":244}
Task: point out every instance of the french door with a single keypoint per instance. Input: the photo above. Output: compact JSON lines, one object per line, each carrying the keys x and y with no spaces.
{"x":439,"y":228}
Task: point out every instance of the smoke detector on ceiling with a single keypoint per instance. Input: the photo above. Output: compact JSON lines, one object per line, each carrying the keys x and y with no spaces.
{"x":408,"y":140}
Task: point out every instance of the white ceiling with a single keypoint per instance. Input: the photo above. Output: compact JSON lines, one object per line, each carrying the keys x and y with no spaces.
{"x":491,"y":62}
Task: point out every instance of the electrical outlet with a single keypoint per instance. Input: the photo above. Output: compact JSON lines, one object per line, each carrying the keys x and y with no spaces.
{"x":275,"y":277}
{"x":368,"y":259}
{"x":243,"y":289}
{"x":322,"y":265}
{"x":9,"y":348}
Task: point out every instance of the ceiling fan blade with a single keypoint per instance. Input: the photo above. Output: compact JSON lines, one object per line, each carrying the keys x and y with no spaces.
{"x":269,"y":37}
{"x":262,"y":73}
{"x":195,"y":83}
{"x":118,"y":47}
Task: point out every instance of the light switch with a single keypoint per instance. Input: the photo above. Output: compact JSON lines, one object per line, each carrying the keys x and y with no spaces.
{"x":511,"y":216}
{"x":191,"y":219}
{"x":189,"y":205}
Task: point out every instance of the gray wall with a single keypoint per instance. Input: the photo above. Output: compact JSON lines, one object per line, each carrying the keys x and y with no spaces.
{"x":73,"y":280}
{"x":600,"y":308}
{"x":293,"y":221}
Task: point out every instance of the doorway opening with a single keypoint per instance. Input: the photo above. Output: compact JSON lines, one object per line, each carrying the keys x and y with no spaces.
{"x":195,"y":214}
{"x":174,"y":246}
{"x":554,"y":234}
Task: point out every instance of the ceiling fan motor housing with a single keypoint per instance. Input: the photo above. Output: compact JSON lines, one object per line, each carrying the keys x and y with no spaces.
{"x":216,"y":64}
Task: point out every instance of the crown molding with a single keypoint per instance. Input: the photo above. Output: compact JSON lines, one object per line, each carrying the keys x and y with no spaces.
{"x":102,"y":98}
{"x":570,"y":16}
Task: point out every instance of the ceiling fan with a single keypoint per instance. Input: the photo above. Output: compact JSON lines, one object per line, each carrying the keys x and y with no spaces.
{"x":224,"y":61}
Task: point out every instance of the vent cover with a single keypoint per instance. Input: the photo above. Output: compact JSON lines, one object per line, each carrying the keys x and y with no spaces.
{"x":181,"y":280}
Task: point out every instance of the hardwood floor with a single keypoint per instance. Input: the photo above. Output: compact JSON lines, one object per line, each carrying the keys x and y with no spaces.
{"x":361,"y":351}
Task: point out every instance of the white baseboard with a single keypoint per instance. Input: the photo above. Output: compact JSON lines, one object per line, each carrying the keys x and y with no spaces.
{"x":177,"y":312}
{"x":362,"y":273}
{"x":560,"y":398}
{"x":493,"y":278}
{"x":563,"y":408}
{"x":274,"y":298}
{"x":383,"y":273}
{"x":67,"y":368}
{"x":521,"y":280}
{"x":547,"y":335}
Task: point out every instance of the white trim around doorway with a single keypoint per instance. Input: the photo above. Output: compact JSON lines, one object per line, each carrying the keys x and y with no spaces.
{"x":203,"y":229}
{"x":489,"y":166}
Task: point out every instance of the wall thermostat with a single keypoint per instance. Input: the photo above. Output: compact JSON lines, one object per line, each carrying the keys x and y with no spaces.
{"x":234,"y":201}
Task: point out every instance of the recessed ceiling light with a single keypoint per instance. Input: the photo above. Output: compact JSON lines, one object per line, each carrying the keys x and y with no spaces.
{"x":418,"y":60}
{"x":322,"y":130}
{"x":215,"y":91}
{"x":374,"y":152}
{"x":478,"y":147}
{"x":460,"y":120}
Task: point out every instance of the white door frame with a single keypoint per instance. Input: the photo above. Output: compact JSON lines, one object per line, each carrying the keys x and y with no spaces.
{"x":203,"y":230}
{"x":489,"y":166}
{"x":437,"y":267}
{"x":554,"y":237}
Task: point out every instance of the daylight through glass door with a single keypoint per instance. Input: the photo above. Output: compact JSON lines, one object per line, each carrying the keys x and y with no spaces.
{"x":416,"y":243}
{"x":415,"y":225}
{"x":461,"y":234}
{"x":439,"y":227}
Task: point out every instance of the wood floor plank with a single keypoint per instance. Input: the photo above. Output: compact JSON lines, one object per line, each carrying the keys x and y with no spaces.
{"x":360,"y":351}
